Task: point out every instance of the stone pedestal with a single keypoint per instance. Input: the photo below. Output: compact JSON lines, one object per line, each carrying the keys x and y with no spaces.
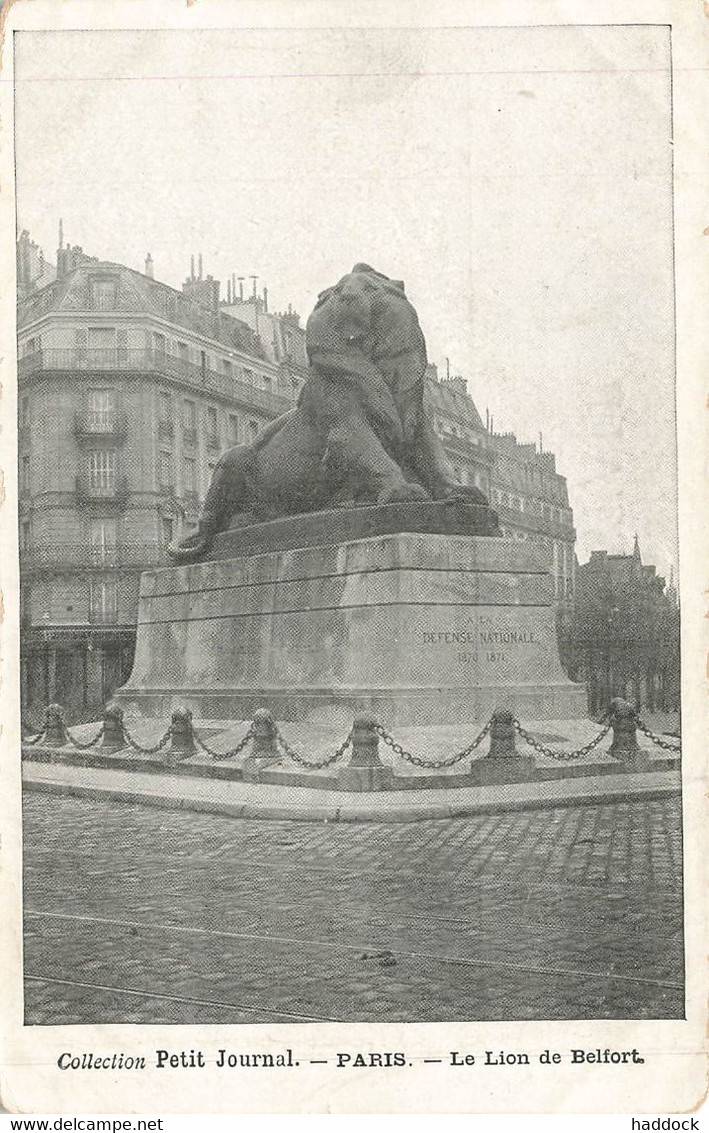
{"x":419,"y":627}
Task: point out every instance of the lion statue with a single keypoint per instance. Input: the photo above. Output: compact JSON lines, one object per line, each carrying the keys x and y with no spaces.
{"x":359,"y":433}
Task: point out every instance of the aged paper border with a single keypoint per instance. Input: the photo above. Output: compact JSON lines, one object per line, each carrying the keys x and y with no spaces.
{"x":674,"y":1075}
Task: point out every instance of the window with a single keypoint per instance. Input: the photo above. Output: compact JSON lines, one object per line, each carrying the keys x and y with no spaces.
{"x":102,"y":338}
{"x":25,"y":415}
{"x":188,"y":474}
{"x":164,"y":408}
{"x":102,"y":469}
{"x":166,"y":470}
{"x":103,"y":599}
{"x":227,"y":367}
{"x":249,"y":376}
{"x":103,"y":294}
{"x":167,"y":531}
{"x":183,"y":352}
{"x":233,"y":428}
{"x":101,"y":409}
{"x":104,"y":536}
{"x":104,"y":532}
{"x":25,"y":474}
{"x":253,"y":430}
{"x":159,"y":343}
{"x":189,"y":415}
{"x":26,"y":536}
{"x":212,"y":425}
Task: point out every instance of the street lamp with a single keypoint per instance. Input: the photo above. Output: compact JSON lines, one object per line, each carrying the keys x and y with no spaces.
{"x":612,"y":621}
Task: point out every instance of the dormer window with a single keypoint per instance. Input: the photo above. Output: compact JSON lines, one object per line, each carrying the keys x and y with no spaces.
{"x":103,"y":294}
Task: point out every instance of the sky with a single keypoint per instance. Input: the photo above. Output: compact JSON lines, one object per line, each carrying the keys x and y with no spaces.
{"x":517,"y":179}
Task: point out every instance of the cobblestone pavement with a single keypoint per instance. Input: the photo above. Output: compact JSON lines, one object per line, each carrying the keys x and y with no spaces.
{"x":141,"y":915}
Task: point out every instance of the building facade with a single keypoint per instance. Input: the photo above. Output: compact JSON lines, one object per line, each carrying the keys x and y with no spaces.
{"x":624,"y":636}
{"x":128,"y":392}
{"x":521,"y":482}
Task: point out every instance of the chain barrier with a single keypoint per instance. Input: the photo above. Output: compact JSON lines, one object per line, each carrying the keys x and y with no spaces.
{"x":232,"y":752}
{"x":146,"y":750}
{"x":672,"y":744}
{"x":561,"y":756}
{"x":84,"y":747}
{"x":675,"y":744}
{"x":282,"y":743}
{"x":432,"y":763}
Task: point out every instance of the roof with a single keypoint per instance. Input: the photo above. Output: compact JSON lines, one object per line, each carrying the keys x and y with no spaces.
{"x":451,"y":401}
{"x":141,"y":295}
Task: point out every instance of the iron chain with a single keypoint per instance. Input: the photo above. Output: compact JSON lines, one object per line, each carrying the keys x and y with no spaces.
{"x":668,"y":745}
{"x":91,"y":743}
{"x":433,"y":763}
{"x":289,"y":751}
{"x":232,"y":752}
{"x":146,"y":750}
{"x":561,"y":756}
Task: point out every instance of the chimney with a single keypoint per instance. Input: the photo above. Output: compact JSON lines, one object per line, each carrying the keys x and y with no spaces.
{"x":255,"y":280}
{"x":541,"y":446}
{"x":199,"y":273}
{"x":241,"y":288}
{"x":265,"y":299}
{"x":228,"y":292}
{"x":233,"y":287}
{"x":192,"y":268}
{"x":61,"y":233}
{"x":149,"y":266}
{"x":487,"y":420}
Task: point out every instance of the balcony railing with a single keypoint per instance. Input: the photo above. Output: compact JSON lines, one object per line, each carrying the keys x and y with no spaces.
{"x":110,"y":490}
{"x":64,"y":556}
{"x":154,"y":362}
{"x":92,"y":423}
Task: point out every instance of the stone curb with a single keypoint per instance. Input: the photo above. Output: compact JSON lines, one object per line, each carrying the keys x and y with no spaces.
{"x":666,"y":785}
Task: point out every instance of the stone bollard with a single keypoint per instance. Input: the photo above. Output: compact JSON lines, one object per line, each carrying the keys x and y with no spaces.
{"x":625,"y":747}
{"x":54,"y":723}
{"x":264,"y":748}
{"x":365,"y":770}
{"x":503,"y":763}
{"x":502,"y":734}
{"x":182,"y":744}
{"x":113,"y":738}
